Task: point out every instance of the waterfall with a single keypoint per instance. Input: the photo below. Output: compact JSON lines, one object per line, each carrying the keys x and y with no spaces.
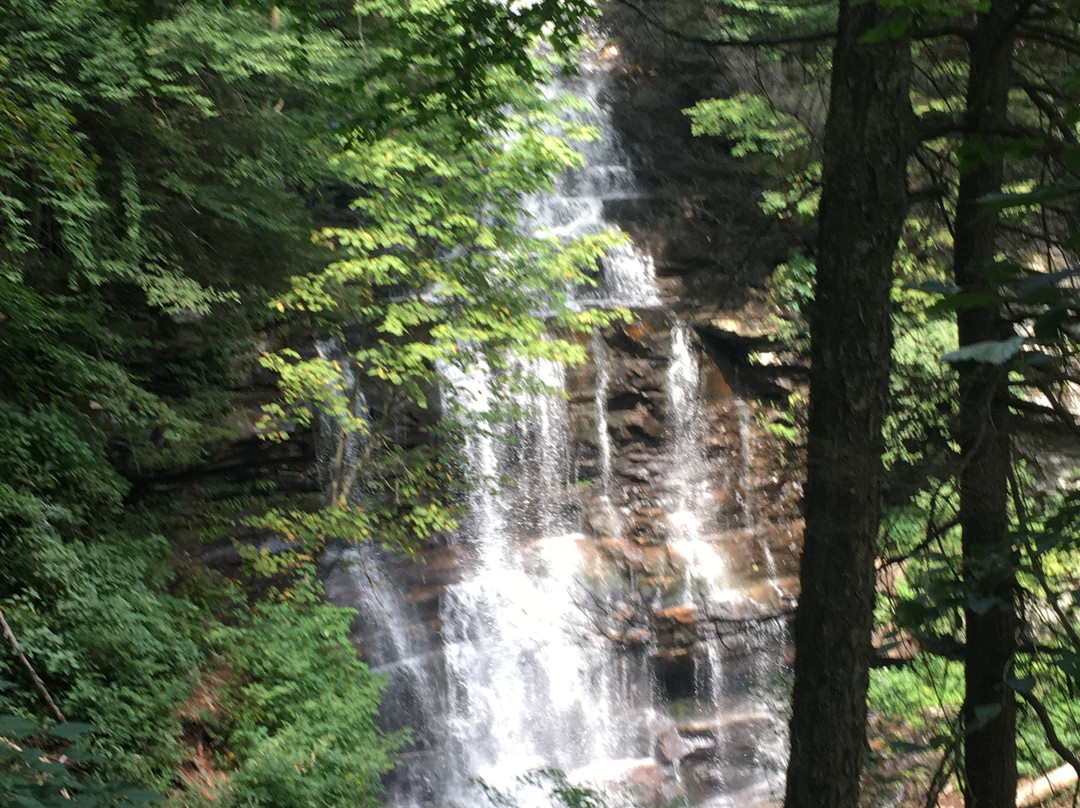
{"x":690,"y":507}
{"x":602,"y":363}
{"x":526,"y":688}
{"x":627,"y":275}
{"x":533,"y":642}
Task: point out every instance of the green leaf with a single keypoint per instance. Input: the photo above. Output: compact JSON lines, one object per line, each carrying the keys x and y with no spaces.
{"x":1047,"y":326}
{"x":993,"y":352}
{"x":985,"y":713}
{"x":939,"y":741}
{"x":913,"y":614}
{"x":28,"y":802}
{"x":1041,"y":280}
{"x":893,"y":28}
{"x":1069,"y":663}
{"x":935,"y":287}
{"x":996,"y":203}
{"x":70,"y":730}
{"x":965,"y":300}
{"x":1024,"y":685}
{"x":15,"y":727}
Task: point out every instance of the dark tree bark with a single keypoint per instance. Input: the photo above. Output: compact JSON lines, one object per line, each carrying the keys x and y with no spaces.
{"x":863,"y":205}
{"x":990,"y":739}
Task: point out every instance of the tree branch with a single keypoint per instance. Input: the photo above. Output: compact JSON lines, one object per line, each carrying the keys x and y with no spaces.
{"x":933,"y":533}
{"x":933,"y":125}
{"x":1051,"y":734}
{"x":708,"y":42}
{"x":1049,"y":36}
{"x":9,"y":635}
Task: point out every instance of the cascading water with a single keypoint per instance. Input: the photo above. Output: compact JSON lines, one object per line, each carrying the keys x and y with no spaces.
{"x":690,"y":507}
{"x":516,"y":667}
{"x":627,"y":275}
{"x":523,"y":691}
{"x":735,"y":677}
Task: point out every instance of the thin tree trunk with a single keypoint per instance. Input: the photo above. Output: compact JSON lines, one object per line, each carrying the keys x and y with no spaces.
{"x":990,"y":620}
{"x":9,"y":635}
{"x":863,"y":205}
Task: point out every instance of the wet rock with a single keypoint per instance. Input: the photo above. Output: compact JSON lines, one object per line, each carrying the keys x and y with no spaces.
{"x":632,"y":556}
{"x":671,"y":747}
{"x":628,"y":399}
{"x":640,"y":339}
{"x":630,"y":468}
{"x":682,"y":614}
{"x":601,"y":521}
{"x":651,"y":785}
{"x":637,"y":375}
{"x":647,"y":523}
{"x":636,"y":423}
{"x":749,"y":510}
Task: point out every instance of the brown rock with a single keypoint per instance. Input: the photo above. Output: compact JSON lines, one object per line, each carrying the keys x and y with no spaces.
{"x":683,"y":614}
{"x":671,"y":747}
{"x":635,"y":423}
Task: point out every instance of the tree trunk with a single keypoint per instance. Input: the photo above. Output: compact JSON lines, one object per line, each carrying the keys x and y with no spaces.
{"x":990,"y":620}
{"x":863,"y":204}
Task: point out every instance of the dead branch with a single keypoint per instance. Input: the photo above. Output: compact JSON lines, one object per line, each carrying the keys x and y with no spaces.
{"x":1052,"y":737}
{"x":9,"y":635}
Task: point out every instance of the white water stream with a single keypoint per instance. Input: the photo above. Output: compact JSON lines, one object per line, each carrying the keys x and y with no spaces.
{"x":516,"y":675}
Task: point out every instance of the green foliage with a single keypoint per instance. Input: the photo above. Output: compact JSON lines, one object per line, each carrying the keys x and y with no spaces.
{"x":1031,"y":282}
{"x":47,"y":767}
{"x":160,"y":140}
{"x":749,"y":19}
{"x":787,"y":423}
{"x":165,"y":166}
{"x":436,"y":278}
{"x":93,"y":617}
{"x":917,"y":695}
{"x":930,"y":599}
{"x":447,"y":58}
{"x":792,"y":291}
{"x":300,"y":712}
{"x":777,"y":143}
{"x":923,"y":396}
{"x":162,"y":164}
{"x":1043,"y":680}
{"x":754,"y":125}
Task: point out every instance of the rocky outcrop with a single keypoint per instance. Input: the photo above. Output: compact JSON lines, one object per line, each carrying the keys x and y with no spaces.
{"x":713,"y":247}
{"x":629,"y":498}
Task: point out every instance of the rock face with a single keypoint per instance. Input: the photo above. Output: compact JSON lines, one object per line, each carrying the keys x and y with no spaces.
{"x":699,"y":219}
{"x":636,"y":475}
{"x":675,"y":505}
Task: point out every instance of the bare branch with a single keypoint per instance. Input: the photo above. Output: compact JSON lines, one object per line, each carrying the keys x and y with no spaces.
{"x":933,"y":532}
{"x":1048,"y":728}
{"x":9,"y":635}
{"x":1050,"y":36}
{"x":721,"y":42}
